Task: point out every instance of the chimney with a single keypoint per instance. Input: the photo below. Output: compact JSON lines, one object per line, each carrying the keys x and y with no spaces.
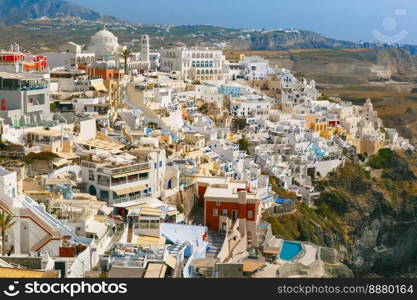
{"x":242,"y":197}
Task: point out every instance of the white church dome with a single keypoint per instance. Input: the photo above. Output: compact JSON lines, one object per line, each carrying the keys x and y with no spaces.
{"x":104,"y":43}
{"x":105,"y":34}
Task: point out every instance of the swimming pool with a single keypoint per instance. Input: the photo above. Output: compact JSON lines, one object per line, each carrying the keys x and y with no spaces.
{"x":289,"y":250}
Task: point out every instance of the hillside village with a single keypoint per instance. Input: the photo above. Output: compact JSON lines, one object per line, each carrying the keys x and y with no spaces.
{"x":164,"y":163}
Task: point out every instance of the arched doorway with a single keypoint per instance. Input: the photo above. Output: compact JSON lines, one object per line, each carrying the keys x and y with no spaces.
{"x":92,"y":190}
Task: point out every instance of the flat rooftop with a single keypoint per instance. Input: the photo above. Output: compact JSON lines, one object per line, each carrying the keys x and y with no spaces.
{"x":5,"y":75}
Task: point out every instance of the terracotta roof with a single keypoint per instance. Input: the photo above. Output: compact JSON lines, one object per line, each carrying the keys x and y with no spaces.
{"x":252,"y":265}
{"x":23,"y":273}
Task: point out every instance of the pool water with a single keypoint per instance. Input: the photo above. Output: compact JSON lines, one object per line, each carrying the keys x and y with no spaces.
{"x":290,"y":250}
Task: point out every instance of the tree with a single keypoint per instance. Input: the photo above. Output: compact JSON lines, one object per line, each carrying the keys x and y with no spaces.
{"x":126,"y":54}
{"x":243,"y":144}
{"x":203,"y":109}
{"x":6,"y":222}
{"x":238,"y":124}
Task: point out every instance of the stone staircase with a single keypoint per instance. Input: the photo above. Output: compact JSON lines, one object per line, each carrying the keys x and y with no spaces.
{"x":215,"y":243}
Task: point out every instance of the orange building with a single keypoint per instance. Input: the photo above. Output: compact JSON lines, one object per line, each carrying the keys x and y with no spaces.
{"x":106,"y":74}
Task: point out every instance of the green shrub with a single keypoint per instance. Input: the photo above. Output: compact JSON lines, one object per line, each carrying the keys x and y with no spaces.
{"x":382,"y":160}
{"x":46,"y":156}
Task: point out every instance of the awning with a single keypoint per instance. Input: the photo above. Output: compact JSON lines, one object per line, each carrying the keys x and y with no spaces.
{"x":107,"y":210}
{"x":99,"y":87}
{"x":138,"y":188}
{"x":67,"y":155}
{"x":150,"y":212}
{"x":59,"y":162}
{"x":130,"y":205}
{"x":56,"y":181}
{"x":144,"y":240}
{"x":129,"y":174}
{"x":129,"y":190}
{"x":121,"y":192}
{"x":135,"y":207}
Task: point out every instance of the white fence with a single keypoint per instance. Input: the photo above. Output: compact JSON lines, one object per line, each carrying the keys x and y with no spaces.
{"x":81,"y":264}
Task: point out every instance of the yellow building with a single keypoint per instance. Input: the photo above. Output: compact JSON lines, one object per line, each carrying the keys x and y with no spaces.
{"x":318,"y":126}
{"x":112,"y":87}
{"x":234,"y":56}
{"x":271,"y":86}
{"x":324,"y":129}
{"x":370,"y":147}
{"x":310,"y":119}
{"x":330,"y":132}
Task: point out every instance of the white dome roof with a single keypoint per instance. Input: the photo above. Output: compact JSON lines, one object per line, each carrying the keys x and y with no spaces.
{"x":105,"y":34}
{"x":104,"y":43}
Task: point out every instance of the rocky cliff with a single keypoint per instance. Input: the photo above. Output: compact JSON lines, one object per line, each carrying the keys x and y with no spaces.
{"x":369,"y":216}
{"x":347,"y":66}
{"x":16,"y":11}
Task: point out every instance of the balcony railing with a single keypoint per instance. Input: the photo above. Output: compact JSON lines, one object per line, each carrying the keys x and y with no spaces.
{"x":117,"y":170}
{"x":128,"y":169}
{"x":129,"y":198}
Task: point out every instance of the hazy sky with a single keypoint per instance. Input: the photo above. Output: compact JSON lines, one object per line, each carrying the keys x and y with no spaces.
{"x":388,"y":20}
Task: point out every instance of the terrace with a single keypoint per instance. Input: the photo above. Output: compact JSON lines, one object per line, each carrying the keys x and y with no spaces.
{"x":17,"y":82}
{"x":113,"y":169}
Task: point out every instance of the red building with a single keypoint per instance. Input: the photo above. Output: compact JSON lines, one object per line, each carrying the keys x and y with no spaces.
{"x":27,"y":61}
{"x":234,"y":201}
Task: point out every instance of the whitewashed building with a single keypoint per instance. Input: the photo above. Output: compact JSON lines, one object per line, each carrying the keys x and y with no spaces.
{"x":193,"y":64}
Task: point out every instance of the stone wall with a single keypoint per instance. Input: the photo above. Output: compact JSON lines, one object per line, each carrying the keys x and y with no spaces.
{"x":34,"y":263}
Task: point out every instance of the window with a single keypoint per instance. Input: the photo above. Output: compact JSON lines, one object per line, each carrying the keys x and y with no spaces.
{"x":103,"y":180}
{"x":104,"y":195}
{"x":143,"y":176}
{"x":132,"y":178}
{"x":250,"y":214}
{"x":154,"y":224}
{"x":224,"y":212}
{"x":215,"y":212}
{"x":118,"y":181}
{"x":91,"y":175}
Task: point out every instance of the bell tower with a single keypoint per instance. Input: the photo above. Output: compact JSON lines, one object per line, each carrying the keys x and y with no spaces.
{"x":144,"y":50}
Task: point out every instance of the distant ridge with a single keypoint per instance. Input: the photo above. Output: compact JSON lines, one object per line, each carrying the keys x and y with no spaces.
{"x":16,"y":16}
{"x":16,"y":11}
{"x":288,"y":39}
